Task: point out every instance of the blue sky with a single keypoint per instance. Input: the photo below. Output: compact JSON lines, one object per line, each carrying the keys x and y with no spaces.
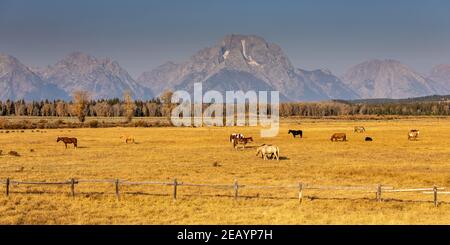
{"x":140,"y":35}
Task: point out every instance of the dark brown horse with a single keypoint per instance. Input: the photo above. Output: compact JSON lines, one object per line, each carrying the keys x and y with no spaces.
{"x":296,"y":132}
{"x":68,"y":140}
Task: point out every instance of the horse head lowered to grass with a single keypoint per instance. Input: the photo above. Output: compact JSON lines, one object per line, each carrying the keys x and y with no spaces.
{"x":68,"y":140}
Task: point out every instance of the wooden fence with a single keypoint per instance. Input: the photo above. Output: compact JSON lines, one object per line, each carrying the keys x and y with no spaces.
{"x":235,"y":186}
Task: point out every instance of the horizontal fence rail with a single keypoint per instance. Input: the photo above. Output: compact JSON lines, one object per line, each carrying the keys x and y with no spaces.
{"x":38,"y":183}
{"x":300,"y":187}
{"x":413,"y":190}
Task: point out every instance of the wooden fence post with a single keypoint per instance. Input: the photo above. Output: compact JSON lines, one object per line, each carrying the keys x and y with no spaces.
{"x":300,"y":192}
{"x":7,"y":186}
{"x":379,"y":193}
{"x":435,"y":196}
{"x":236,"y":187}
{"x":72,"y":187}
{"x":175,"y":184}
{"x":117,"y":188}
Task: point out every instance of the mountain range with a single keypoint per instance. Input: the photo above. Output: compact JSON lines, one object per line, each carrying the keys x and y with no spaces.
{"x":236,"y":62}
{"x":103,"y":78}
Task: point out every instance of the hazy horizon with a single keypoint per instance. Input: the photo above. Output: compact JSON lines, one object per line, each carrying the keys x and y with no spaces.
{"x":141,"y":35}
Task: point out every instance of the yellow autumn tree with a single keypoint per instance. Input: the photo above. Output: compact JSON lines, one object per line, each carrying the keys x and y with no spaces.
{"x":80,"y":101}
{"x":129,"y":105}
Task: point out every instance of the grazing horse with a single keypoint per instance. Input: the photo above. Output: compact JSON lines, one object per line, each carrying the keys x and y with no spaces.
{"x":235,"y":136}
{"x":339,"y":136}
{"x":413,"y":134}
{"x":242,"y":141}
{"x":128,"y":138}
{"x":296,"y":132}
{"x":368,"y":139}
{"x":68,"y":140}
{"x":359,"y":129}
{"x":268,"y":151}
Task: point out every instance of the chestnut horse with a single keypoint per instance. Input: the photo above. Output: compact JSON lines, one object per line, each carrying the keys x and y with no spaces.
{"x":128,"y":138}
{"x":242,"y":141}
{"x":68,"y":140}
{"x":339,"y":136}
{"x":413,"y":134}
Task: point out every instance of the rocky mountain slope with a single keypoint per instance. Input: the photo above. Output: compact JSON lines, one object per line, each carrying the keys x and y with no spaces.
{"x":103,"y":78}
{"x":388,"y":79}
{"x":441,"y":74}
{"x":18,"y":82}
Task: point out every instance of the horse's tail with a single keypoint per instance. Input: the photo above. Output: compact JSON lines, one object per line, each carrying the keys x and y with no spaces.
{"x":278,"y":153}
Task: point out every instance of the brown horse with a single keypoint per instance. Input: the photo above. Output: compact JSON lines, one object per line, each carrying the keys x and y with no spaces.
{"x":242,"y":141}
{"x":339,"y":136}
{"x":68,"y":140}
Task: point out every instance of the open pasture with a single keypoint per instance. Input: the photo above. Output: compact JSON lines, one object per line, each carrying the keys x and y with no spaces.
{"x":205,"y":156}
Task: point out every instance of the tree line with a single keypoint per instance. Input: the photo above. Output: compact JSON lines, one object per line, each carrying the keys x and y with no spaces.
{"x":82,"y":106}
{"x":343,"y":108}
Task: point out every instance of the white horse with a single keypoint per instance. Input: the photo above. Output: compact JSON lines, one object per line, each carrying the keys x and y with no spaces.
{"x":267,"y":151}
{"x":359,"y":129}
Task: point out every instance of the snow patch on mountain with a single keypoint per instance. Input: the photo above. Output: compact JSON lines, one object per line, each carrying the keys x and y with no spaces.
{"x":249,"y":59}
{"x":225,"y":55}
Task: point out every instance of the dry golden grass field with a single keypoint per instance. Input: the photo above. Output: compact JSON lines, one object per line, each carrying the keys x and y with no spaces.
{"x":205,"y":156}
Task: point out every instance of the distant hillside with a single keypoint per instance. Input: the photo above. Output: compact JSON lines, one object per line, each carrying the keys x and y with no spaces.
{"x":432,"y":98}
